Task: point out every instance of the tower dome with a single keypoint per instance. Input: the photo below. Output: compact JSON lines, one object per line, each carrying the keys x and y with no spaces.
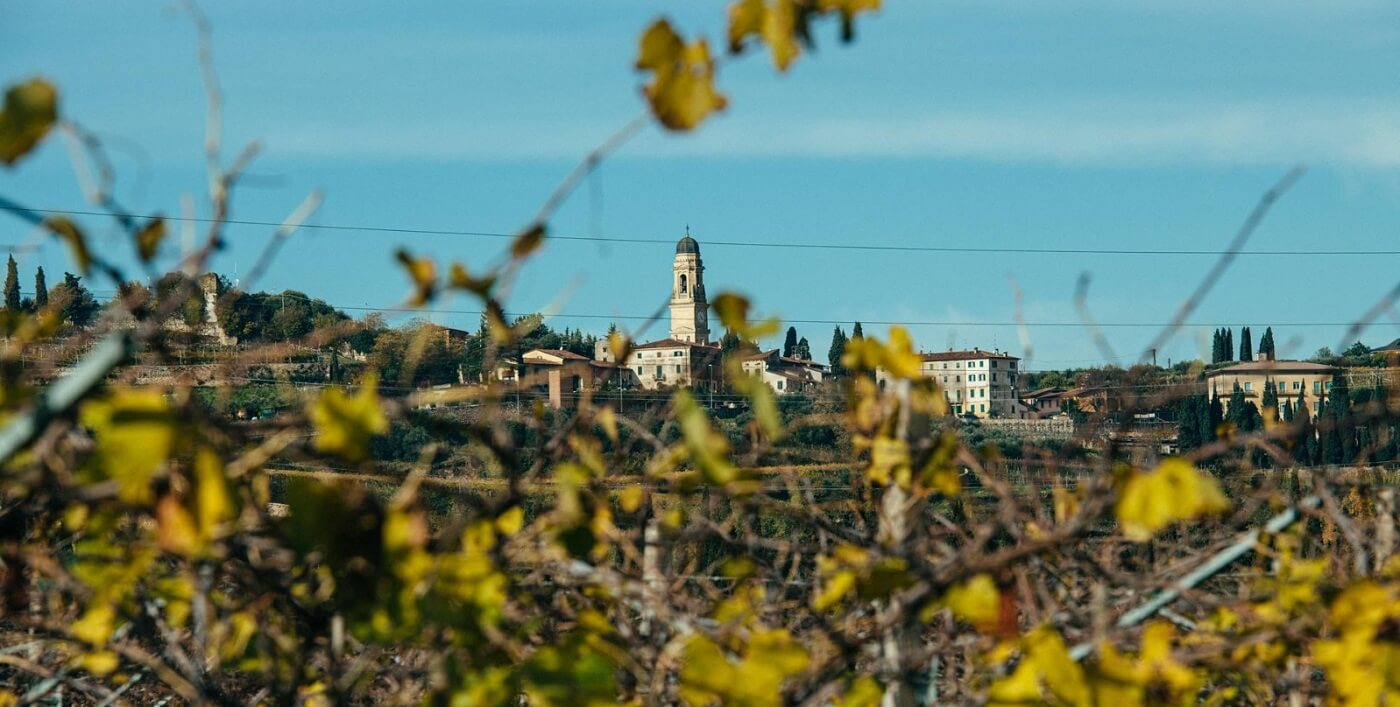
{"x":687,"y":245}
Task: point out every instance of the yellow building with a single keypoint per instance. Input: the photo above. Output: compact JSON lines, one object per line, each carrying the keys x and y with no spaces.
{"x":1296,"y":380}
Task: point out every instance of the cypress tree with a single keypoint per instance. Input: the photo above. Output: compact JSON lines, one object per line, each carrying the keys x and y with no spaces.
{"x":1270,"y":400}
{"x":12,"y":285}
{"x":804,"y":350}
{"x":790,"y":343}
{"x":1234,"y":414}
{"x":1216,"y":413}
{"x":1186,"y":427}
{"x":1229,"y":348}
{"x":837,"y":350}
{"x":1339,"y":405}
{"x":1217,"y":344}
{"x":1246,"y":345}
{"x":1266,"y":344}
{"x":856,"y":332}
{"x":41,"y":289}
{"x":1286,"y":411}
{"x":1306,"y":445}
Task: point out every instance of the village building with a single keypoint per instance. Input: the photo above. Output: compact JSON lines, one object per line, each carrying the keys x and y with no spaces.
{"x":1296,"y":381}
{"x":686,"y":357}
{"x":976,"y":382}
{"x":1043,"y":402}
{"x":784,"y":374}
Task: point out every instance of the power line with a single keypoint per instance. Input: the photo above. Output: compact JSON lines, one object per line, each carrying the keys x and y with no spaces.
{"x":746,"y":244}
{"x":785,"y":320}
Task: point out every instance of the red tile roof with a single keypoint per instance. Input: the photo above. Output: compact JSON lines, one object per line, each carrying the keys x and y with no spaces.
{"x":560,"y":353}
{"x":672,"y":344}
{"x":965,"y":355}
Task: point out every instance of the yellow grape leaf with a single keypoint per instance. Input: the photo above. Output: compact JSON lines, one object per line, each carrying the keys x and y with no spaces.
{"x":889,"y":462}
{"x":708,"y":449}
{"x":528,"y":241}
{"x":345,"y":423}
{"x":863,"y":692}
{"x":214,"y":500}
{"x":510,"y":521}
{"x":96,"y":624}
{"x":69,"y":233}
{"x":896,"y":358}
{"x":463,"y":280}
{"x":30,"y":110}
{"x":1045,"y":667}
{"x":135,"y":434}
{"x":607,"y":419}
{"x":733,"y":311}
{"x":745,"y":19}
{"x":1365,"y":605}
{"x":1174,"y":491}
{"x":763,"y":402}
{"x":976,"y":601}
{"x":770,"y":658}
{"x":780,"y":31}
{"x":660,"y":47}
{"x":175,"y":527}
{"x":631,"y":498}
{"x":423,"y":272}
{"x":99,"y":663}
{"x":149,"y":237}
{"x":1360,"y":669}
{"x":834,"y":589}
{"x":682,"y":91}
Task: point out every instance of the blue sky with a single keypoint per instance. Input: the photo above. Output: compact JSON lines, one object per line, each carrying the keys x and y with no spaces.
{"x":1077,"y":124}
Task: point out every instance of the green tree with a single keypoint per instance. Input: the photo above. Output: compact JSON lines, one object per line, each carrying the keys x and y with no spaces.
{"x":1266,"y":345}
{"x":857,"y":332}
{"x":1215,"y":414}
{"x":1270,"y":400}
{"x":804,"y":350}
{"x":77,"y":304}
{"x":12,"y":285}
{"x":837,"y":350}
{"x":1229,"y":348}
{"x":790,"y":342}
{"x":41,"y":289}
{"x":1246,"y":345}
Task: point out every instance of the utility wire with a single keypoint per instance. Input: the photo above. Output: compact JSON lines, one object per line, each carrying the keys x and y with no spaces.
{"x":748,"y":244}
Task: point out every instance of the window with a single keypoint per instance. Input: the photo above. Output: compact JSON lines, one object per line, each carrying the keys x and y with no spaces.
{"x":1317,"y":386}
{"x":994,"y":364}
{"x":1247,"y":386}
{"x":982,"y":407}
{"x":780,"y":385}
{"x":1329,"y":386}
{"x":1011,"y":365}
{"x":683,"y":284}
{"x":1297,"y":385}
{"x":994,"y":377}
{"x":660,"y":372}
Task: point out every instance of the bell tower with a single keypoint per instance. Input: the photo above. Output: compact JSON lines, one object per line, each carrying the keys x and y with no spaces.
{"x":690,"y":317}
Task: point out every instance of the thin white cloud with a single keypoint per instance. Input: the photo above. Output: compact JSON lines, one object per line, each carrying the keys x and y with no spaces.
{"x":1363,"y":134}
